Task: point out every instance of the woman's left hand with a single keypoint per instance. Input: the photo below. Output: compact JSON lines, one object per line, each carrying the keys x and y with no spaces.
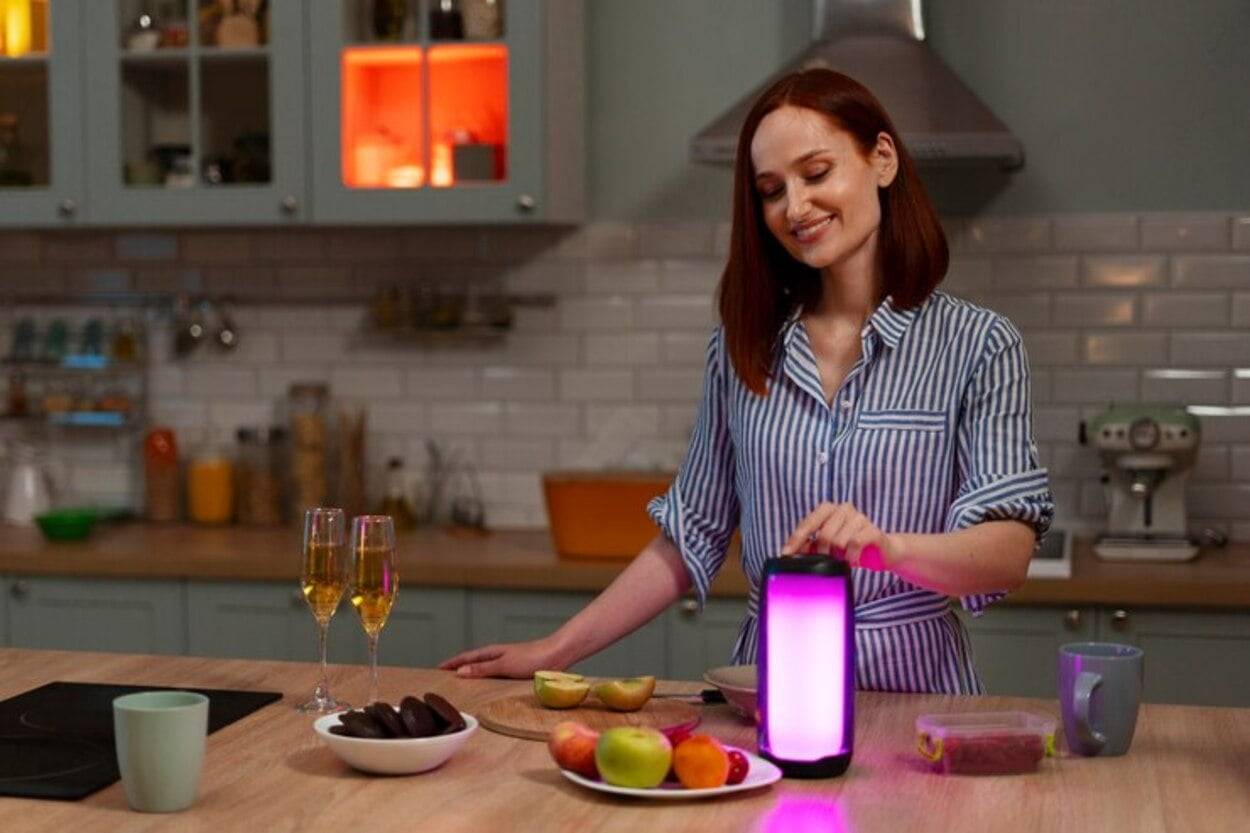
{"x":841,"y":530}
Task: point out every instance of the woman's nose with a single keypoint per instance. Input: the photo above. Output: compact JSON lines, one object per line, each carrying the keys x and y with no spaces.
{"x":797,"y":203}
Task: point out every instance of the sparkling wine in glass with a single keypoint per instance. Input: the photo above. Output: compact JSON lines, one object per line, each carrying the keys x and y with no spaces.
{"x":375,"y":582}
{"x":324,"y":567}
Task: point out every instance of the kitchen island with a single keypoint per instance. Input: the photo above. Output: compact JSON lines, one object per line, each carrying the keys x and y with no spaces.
{"x":1188,"y":770}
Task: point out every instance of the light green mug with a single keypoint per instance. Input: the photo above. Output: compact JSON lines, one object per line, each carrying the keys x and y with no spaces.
{"x":160,"y":747}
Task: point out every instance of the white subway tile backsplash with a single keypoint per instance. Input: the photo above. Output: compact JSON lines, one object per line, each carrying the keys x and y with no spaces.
{"x":623,"y":276}
{"x":968,"y":274}
{"x":1045,"y":347}
{"x":1007,"y":234}
{"x":625,"y":349}
{"x":1124,"y":270}
{"x":436,"y":245}
{"x":677,"y":421}
{"x":1096,"y":233}
{"x":670,"y":385}
{"x":691,"y":276}
{"x":514,"y":454}
{"x":1078,"y":386}
{"x":434,"y":383}
{"x":1072,"y":460}
{"x":1213,"y":462}
{"x":1211,"y":272}
{"x":208,"y":247}
{"x":1210,"y":348}
{"x":228,"y":382}
{"x":1240,"y":458}
{"x":517,"y":383}
{"x":596,"y":385}
{"x":1185,"y":233}
{"x":1231,"y":500}
{"x":1241,"y":234}
{"x":476,"y":418}
{"x":555,"y":350}
{"x":321,"y":346}
{"x":676,"y":312}
{"x":133,"y":246}
{"x":397,"y":417}
{"x":622,"y":425}
{"x":1126,"y":348}
{"x":545,"y":277}
{"x":1187,"y":387}
{"x":721,"y":238}
{"x":609,"y":240}
{"x":1231,"y":428}
{"x":542,"y":420}
{"x":596,"y":313}
{"x":289,"y":246}
{"x":367,"y":383}
{"x":688,"y":349}
{"x":1035,"y":272}
{"x":225,"y":416}
{"x":1095,"y":309}
{"x":1026,"y":309}
{"x":276,"y":381}
{"x":676,"y":238}
{"x":298,"y":318}
{"x":1185,"y":309}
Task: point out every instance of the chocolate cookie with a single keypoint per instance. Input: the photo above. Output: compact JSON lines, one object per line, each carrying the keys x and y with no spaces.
{"x":448,"y":718}
{"x":417,"y":717}
{"x":385,"y":716}
{"x":361,"y":725}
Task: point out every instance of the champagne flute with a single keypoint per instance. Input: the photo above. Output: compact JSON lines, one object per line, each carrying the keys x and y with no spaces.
{"x":375,"y":582}
{"x":323,"y":578}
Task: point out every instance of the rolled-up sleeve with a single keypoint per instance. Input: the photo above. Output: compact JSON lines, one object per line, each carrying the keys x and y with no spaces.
{"x":998,"y":472}
{"x":699,"y":512}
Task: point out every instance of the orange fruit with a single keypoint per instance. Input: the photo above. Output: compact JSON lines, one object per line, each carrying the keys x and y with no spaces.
{"x":701,"y":762}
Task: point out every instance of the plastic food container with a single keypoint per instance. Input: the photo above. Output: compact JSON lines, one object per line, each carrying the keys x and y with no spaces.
{"x":985,"y":743}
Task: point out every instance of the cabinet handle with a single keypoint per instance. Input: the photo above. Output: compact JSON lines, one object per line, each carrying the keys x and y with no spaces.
{"x":689,"y":608}
{"x":289,"y":204}
{"x":19,"y":591}
{"x":526,"y":203}
{"x":1072,"y":620}
{"x":297,"y":599}
{"x":67,"y":207}
{"x":1119,"y":620}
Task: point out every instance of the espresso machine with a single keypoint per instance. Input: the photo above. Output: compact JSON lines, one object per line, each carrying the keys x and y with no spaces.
{"x":1146,"y":454}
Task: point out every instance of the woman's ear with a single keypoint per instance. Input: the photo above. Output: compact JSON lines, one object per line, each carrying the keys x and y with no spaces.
{"x":885,"y":160}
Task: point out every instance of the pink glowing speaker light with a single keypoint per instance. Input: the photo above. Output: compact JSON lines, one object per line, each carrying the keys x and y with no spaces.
{"x":807,"y":666}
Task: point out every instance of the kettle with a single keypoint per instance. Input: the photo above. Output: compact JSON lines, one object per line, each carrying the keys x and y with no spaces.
{"x":30,"y":488}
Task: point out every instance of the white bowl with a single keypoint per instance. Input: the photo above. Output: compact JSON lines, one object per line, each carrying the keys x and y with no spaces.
{"x":738,"y":684}
{"x":394,"y":756}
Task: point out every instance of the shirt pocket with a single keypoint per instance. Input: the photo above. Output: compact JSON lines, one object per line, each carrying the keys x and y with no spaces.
{"x":902,"y":419}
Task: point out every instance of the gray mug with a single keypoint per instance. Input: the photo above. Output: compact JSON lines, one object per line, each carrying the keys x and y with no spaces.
{"x":160,"y":747}
{"x":1099,"y":693}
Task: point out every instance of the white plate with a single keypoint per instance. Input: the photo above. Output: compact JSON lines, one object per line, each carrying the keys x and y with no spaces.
{"x":760,"y":774}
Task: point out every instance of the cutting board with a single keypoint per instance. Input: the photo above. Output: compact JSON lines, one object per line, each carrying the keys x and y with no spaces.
{"x":520,"y":716}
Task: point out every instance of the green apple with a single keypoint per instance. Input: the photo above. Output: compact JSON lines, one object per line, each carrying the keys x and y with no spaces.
{"x":558,"y":694}
{"x":633,"y":756}
{"x":626,"y":695}
{"x":556,"y":676}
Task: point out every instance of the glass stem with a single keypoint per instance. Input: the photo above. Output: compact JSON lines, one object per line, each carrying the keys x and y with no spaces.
{"x":373,"y":669}
{"x":322,"y":692}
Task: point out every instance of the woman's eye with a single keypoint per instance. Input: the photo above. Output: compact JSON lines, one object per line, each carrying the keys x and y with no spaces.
{"x":817,"y":176}
{"x":771,"y":194}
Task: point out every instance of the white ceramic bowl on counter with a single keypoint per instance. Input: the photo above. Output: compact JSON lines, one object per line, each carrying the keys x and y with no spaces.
{"x":394,"y":756}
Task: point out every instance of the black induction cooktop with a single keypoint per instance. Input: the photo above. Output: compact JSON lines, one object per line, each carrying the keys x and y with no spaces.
{"x":56,"y":741}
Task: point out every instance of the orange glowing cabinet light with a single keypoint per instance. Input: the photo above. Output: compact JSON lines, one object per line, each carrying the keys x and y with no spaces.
{"x":408,"y":110}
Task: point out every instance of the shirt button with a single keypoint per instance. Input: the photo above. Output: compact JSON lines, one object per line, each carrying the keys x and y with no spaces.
{"x":846,"y":404}
{"x":823,"y":457}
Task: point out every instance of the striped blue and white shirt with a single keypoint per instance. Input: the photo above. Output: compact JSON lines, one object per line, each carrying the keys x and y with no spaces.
{"x":930,"y":432}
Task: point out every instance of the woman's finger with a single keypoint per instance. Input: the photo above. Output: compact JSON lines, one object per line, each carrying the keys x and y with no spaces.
{"x":473,"y":655}
{"x":831,"y":537}
{"x":797,"y":542}
{"x":854,"y":536}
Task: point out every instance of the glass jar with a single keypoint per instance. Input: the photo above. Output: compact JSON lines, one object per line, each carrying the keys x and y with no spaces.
{"x":210,"y":487}
{"x":309,"y":446}
{"x":259,"y":481}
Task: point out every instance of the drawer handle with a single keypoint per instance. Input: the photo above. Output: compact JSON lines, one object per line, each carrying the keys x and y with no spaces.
{"x":525,"y":203}
{"x":19,"y":591}
{"x":1072,"y":620}
{"x":289,"y":204}
{"x":689,"y":608}
{"x":67,"y":207}
{"x":1119,"y":620}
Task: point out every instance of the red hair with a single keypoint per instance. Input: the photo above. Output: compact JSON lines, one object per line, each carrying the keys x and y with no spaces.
{"x":762,"y":285}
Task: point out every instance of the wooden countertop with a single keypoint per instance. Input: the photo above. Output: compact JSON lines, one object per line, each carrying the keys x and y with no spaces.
{"x":524,"y":559}
{"x":1187,"y":770}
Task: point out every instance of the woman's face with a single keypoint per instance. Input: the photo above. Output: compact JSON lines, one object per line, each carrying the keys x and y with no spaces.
{"x":818,"y":191}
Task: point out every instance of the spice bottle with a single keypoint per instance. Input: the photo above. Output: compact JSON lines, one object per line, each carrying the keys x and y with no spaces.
{"x":309,"y":446}
{"x":161,"y":486}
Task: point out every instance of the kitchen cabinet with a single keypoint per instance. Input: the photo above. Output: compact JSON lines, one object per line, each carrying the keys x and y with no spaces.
{"x":252,"y":620}
{"x":1191,"y":658}
{"x":699,"y":640}
{"x":87,"y":614}
{"x":196,"y":118}
{"x":512,"y":616}
{"x":410,"y":125}
{"x":1017,"y":648}
{"x":42,"y":141}
{"x":427,"y":625}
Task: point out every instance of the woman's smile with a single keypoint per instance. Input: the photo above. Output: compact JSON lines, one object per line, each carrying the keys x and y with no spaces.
{"x":811,"y":232}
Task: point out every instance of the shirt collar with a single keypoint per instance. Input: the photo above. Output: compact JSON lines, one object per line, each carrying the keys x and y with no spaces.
{"x":887,"y":320}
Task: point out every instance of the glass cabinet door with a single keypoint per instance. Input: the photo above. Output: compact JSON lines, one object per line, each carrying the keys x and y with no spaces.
{"x":425,"y":110}
{"x":41,"y":142}
{"x":197,"y":108}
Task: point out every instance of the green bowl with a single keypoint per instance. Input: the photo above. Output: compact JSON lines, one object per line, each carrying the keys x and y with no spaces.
{"x":66,"y":524}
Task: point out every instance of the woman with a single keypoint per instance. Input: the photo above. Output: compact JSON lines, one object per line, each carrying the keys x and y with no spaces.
{"x":848,"y":408}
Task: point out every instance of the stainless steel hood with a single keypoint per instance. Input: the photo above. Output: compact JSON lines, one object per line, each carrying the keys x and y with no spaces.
{"x":880,"y":43}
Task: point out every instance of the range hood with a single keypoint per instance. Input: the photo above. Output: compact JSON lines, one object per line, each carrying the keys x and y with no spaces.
{"x":880,"y":43}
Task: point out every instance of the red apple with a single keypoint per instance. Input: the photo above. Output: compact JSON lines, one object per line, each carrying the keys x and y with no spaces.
{"x":572,"y":745}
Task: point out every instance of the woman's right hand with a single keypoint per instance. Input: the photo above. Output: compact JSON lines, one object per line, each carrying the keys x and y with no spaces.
{"x":518,"y":660}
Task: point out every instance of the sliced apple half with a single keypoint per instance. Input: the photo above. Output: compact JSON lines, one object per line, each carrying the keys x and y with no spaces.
{"x":556,"y":676}
{"x":628,"y":695}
